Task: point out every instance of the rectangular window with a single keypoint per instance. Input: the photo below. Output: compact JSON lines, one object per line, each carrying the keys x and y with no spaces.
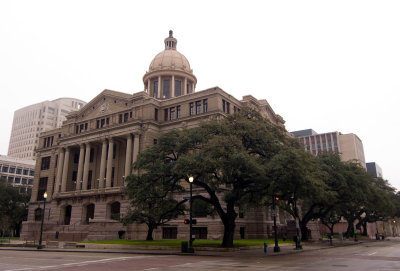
{"x":165,"y":114}
{"x":19,"y":170}
{"x":198,"y":107}
{"x":86,"y":126}
{"x":42,"y":188}
{"x":170,"y":233}
{"x":76,"y":157}
{"x":205,"y":105}
{"x":45,"y":163}
{"x":155,"y":114}
{"x":26,"y":172}
{"x":98,"y":124}
{"x":155,"y":89}
{"x":172,"y":113}
{"x":223,"y":105}
{"x":81,"y":128}
{"x":130,"y":114}
{"x":120,"y":118}
{"x":89,"y":185}
{"x":178,"y":88}
{"x":91,"y":155}
{"x":12,"y":170}
{"x":102,"y":122}
{"x":107,"y":121}
{"x":166,"y":92}
{"x":126,"y":117}
{"x":191,"y":109}
{"x":32,"y":172}
{"x":228,"y":107}
{"x":178,"y":112}
{"x":76,"y":129}
{"x":4,"y":169}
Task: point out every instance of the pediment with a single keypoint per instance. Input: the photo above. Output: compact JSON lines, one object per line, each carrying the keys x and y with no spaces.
{"x":106,"y":103}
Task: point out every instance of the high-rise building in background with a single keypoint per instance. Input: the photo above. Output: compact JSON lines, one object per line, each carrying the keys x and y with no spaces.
{"x":349,"y":146}
{"x":374,"y":169}
{"x":31,"y":120}
{"x":17,"y":172}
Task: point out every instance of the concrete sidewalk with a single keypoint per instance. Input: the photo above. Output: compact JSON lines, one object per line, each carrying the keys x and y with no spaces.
{"x":199,"y":251}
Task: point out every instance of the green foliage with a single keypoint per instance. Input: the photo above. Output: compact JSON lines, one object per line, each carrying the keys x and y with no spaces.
{"x":13,"y":209}
{"x":151,"y":193}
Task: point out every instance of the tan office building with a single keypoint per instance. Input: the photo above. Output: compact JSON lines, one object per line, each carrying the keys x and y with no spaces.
{"x":82,"y":165}
{"x":31,"y":120}
{"x":17,"y":172}
{"x":349,"y":146}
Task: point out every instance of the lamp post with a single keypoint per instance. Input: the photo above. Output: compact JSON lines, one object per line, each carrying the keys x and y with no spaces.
{"x":276,"y":247}
{"x":41,"y":225}
{"x":190,"y":249}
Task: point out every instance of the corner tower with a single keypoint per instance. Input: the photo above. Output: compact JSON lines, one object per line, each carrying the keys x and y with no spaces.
{"x":169,"y":73}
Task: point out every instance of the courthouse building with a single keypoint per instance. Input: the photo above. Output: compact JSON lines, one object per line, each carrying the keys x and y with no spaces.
{"x":82,"y":165}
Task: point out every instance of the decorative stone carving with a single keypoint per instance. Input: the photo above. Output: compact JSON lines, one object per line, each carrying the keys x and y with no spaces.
{"x":104,"y":109}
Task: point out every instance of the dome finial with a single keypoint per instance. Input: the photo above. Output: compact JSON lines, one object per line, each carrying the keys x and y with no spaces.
{"x":170,"y":42}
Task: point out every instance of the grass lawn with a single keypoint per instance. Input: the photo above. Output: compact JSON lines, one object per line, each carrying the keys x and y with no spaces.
{"x":177,"y":243}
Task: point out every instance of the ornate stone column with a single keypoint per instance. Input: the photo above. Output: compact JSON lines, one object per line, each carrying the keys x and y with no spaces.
{"x":135,"y":148}
{"x":65,"y":170}
{"x":103,"y":164}
{"x":128,"y":156}
{"x":60,"y":165}
{"x":173,"y":86}
{"x":185,"y":90}
{"x":159,"y":87}
{"x":80,"y":167}
{"x":86,"y":167}
{"x":109,"y":162}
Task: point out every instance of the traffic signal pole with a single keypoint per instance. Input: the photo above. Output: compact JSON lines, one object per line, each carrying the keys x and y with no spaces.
{"x":276,"y":248}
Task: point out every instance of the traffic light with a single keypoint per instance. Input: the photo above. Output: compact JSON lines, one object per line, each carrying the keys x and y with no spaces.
{"x":187,"y":221}
{"x":277,"y":198}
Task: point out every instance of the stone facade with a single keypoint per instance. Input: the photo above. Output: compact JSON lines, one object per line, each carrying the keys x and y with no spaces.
{"x":87,"y":159}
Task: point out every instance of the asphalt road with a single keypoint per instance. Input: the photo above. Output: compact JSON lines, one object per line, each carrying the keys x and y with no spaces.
{"x":368,"y":256}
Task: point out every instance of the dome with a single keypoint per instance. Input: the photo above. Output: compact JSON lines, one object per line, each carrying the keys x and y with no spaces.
{"x":170,"y":59}
{"x":169,"y":73}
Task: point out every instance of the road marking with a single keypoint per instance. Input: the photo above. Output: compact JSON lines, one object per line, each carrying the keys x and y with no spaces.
{"x":370,"y":254}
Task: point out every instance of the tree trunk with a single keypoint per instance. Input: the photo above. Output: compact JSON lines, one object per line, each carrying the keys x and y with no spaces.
{"x":149,"y":233}
{"x":350,"y":228}
{"x":365,"y":230}
{"x":304,"y":231}
{"x":229,"y":226}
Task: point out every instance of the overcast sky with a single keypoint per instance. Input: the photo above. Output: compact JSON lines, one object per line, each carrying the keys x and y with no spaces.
{"x":325,"y":65}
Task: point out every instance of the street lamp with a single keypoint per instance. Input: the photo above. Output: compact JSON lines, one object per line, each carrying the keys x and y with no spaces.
{"x":276,"y":247}
{"x":41,"y":225}
{"x":190,"y":249}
